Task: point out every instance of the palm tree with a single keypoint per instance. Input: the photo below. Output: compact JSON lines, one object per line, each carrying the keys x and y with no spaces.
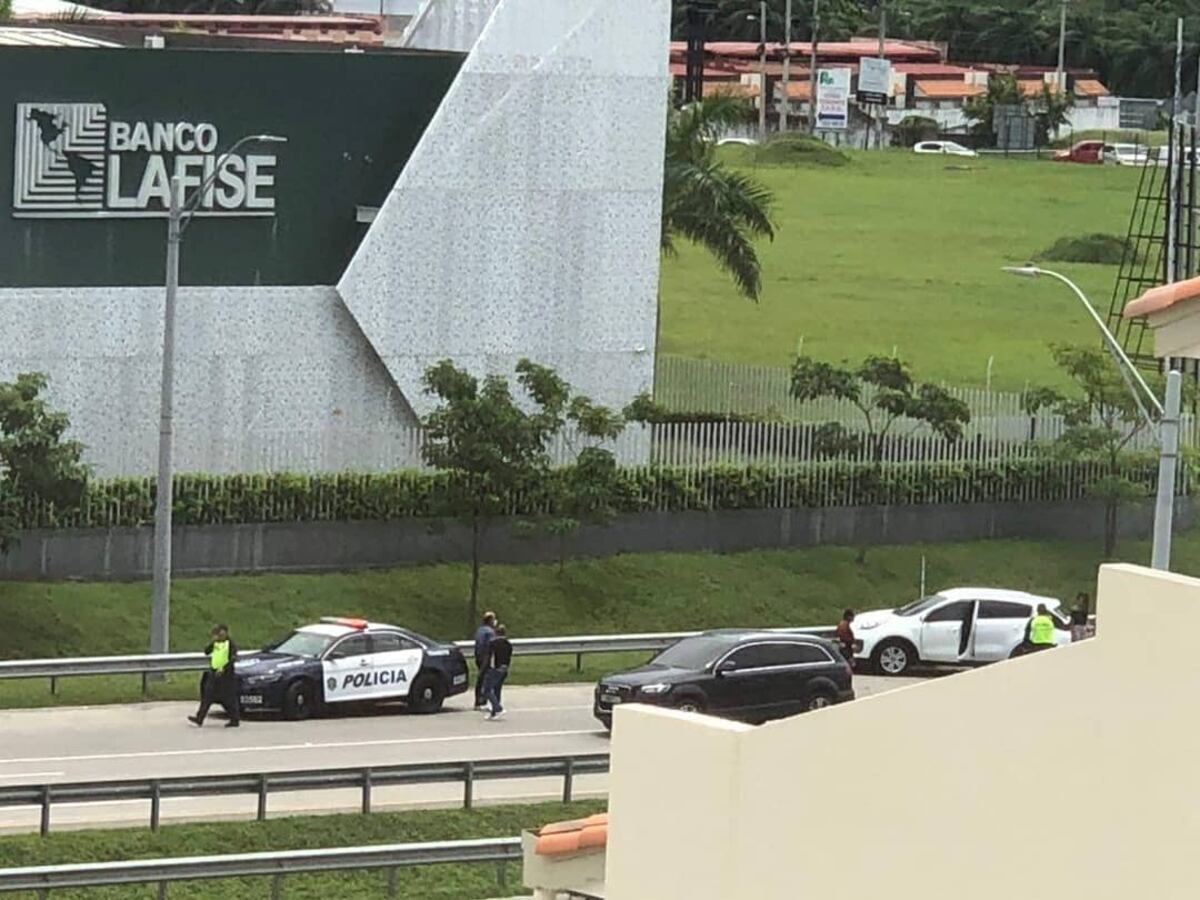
{"x":707,"y":203}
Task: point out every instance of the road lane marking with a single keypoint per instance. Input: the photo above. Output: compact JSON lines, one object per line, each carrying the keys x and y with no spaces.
{"x":274,"y":748}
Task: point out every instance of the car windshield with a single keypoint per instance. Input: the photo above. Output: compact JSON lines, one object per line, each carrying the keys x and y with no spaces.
{"x":918,"y":606}
{"x":691,"y":653}
{"x":303,"y":643}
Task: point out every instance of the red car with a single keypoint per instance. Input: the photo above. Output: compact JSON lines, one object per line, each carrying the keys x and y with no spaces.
{"x":1082,"y":152}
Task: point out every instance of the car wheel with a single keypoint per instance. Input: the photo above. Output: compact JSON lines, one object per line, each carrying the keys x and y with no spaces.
{"x":691,"y":703}
{"x":427,"y":694}
{"x":893,"y":658}
{"x":299,"y":701}
{"x":819,"y":699}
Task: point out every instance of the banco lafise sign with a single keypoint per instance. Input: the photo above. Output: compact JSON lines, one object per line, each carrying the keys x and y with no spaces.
{"x":71,"y":161}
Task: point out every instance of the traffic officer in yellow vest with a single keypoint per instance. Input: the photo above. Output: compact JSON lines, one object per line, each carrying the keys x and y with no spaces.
{"x":1040,"y":633}
{"x":220,"y":683}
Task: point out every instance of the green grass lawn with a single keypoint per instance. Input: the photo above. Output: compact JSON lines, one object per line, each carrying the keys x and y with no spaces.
{"x":902,"y":251}
{"x":636,"y":593}
{"x":440,"y":882}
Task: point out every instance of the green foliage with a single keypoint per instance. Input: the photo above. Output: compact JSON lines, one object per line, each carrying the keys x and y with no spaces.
{"x":708,"y":203}
{"x":35,"y":461}
{"x":488,"y":445}
{"x":1102,"y":417}
{"x":795,"y":150}
{"x":914,"y":129}
{"x":5,"y":9}
{"x":883,"y":390}
{"x":229,"y":499}
{"x":1107,"y":249}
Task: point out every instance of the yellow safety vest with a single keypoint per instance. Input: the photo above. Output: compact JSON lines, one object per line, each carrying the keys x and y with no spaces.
{"x":219,"y":658}
{"x":1042,"y":630}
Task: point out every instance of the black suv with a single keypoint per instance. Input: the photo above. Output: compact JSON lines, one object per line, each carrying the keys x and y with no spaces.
{"x":739,"y":674}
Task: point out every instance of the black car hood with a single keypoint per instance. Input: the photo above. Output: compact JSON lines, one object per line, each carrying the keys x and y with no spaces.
{"x":268,"y":663}
{"x":648,"y":674}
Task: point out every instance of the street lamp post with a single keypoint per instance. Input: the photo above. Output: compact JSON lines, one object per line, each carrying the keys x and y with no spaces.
{"x":1167,"y":427}
{"x":762,"y":68}
{"x":179,"y":213}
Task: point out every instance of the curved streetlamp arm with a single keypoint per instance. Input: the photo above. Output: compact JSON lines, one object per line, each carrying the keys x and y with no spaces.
{"x":1126,"y":367}
{"x":189,"y":206}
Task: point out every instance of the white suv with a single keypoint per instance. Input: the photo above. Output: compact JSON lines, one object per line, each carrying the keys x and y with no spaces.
{"x":960,"y":626}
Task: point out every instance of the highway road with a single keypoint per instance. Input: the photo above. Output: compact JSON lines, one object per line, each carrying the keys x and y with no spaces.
{"x":45,"y":746}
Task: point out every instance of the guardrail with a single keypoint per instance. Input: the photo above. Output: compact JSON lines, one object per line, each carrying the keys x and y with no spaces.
{"x":276,"y":863}
{"x":153,"y":664}
{"x":365,"y":779}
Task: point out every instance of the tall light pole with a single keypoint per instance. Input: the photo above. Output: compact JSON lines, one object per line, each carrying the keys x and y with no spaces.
{"x":1060,"y":74}
{"x":762,"y":69}
{"x":787,"y":64}
{"x":883,"y":55}
{"x":814,"y":82}
{"x":179,"y":213}
{"x":1167,"y":427}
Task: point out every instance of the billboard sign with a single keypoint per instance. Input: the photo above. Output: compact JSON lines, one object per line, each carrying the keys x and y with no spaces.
{"x":73,"y":161}
{"x":833,"y":99}
{"x":874,"y":80}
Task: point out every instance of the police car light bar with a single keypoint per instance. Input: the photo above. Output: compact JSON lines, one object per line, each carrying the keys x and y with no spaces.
{"x":341,"y":620}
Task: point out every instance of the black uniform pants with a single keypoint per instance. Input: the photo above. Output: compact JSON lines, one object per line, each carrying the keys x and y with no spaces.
{"x":481,"y":670}
{"x":220,"y":689}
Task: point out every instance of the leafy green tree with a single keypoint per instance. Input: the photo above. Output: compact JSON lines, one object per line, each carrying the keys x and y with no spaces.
{"x":488,"y":444}
{"x":5,"y":9}
{"x":708,"y":203}
{"x":883,"y":390}
{"x":588,"y":490}
{"x":1002,"y":90}
{"x":36,"y":463}
{"x":1102,"y":419}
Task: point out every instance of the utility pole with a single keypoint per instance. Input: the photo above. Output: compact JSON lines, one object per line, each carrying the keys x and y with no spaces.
{"x":1060,"y":79}
{"x":762,"y":69}
{"x":1176,"y":164}
{"x":787,"y":68}
{"x":882,"y":55}
{"x":814,"y":82}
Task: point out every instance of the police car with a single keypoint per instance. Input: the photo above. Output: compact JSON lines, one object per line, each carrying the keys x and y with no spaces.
{"x":341,"y":661}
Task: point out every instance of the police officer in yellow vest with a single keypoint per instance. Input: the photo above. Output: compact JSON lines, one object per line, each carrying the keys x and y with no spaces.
{"x":1040,"y":634}
{"x":220,"y":682}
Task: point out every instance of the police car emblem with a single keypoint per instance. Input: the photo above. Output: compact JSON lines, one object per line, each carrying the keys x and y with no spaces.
{"x":331,"y":684}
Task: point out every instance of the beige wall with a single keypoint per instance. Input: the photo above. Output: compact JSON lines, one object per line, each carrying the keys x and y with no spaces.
{"x":1074,"y":773}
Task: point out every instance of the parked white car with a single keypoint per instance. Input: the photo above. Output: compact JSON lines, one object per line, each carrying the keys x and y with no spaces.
{"x":1125,"y":154}
{"x":946,"y":148}
{"x":960,"y":626}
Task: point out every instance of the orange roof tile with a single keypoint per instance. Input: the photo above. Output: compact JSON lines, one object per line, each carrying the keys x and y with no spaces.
{"x":1032,"y":87}
{"x":564,"y":838}
{"x":946,"y":90}
{"x":1162,"y":298}
{"x":799,"y":90}
{"x":1090,"y":87}
{"x":731,"y":88}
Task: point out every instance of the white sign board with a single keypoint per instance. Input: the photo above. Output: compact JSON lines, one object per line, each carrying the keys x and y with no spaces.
{"x":833,"y":99}
{"x":874,"y":80}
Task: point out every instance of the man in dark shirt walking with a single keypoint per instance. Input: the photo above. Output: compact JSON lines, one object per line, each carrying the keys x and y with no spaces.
{"x":845,"y":635}
{"x":483,"y":639}
{"x":500,"y":657}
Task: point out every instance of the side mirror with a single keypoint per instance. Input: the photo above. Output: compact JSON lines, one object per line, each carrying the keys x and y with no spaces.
{"x":726,"y":667}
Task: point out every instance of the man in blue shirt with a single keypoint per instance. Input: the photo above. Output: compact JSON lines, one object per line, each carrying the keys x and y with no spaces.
{"x":484,"y":635}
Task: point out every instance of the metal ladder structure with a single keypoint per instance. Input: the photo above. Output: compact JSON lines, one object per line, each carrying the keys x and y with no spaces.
{"x":1162,"y":241}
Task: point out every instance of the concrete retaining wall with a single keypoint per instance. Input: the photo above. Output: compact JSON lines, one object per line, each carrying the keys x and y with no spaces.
{"x":126,"y":553}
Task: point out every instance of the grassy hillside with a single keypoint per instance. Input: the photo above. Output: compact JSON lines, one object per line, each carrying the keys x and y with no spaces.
{"x":650,"y":592}
{"x":902,"y":251}
{"x":442,"y":882}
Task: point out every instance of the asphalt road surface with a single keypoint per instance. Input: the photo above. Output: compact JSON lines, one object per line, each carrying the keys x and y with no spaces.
{"x":154,"y":740}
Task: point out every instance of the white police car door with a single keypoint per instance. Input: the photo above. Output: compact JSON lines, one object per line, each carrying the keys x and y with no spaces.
{"x":370,"y":667}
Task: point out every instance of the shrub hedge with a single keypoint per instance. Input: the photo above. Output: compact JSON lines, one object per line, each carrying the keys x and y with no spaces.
{"x":227,"y":499}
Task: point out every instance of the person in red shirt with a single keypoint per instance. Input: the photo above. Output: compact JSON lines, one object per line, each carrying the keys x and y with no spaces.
{"x":845,"y":635}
